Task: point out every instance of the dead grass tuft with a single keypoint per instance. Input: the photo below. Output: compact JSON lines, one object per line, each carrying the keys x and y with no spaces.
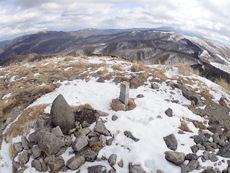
{"x":139,"y":67}
{"x":25,"y":121}
{"x":199,"y":125}
{"x":224,"y":84}
{"x":186,"y":70}
{"x":184,"y":127}
{"x":81,"y":107}
{"x":116,"y":105}
{"x":131,"y":104}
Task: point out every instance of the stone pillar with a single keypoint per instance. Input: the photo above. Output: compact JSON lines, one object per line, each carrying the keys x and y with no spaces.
{"x":124,"y":93}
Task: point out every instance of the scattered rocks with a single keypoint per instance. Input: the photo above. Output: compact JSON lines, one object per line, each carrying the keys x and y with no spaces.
{"x":17,"y":147}
{"x":75,"y":162}
{"x":128,"y":134}
{"x":175,"y":157}
{"x":114,"y":117}
{"x":171,"y":142}
{"x":24,"y":157}
{"x":112,"y":159}
{"x":100,"y":128}
{"x":80,"y":142}
{"x":169,"y":112}
{"x":62,"y":115}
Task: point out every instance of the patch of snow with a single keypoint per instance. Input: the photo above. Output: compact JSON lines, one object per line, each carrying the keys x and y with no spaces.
{"x":223,"y":67}
{"x":68,"y":68}
{"x":36,"y":74}
{"x":12,"y":79}
{"x":7,"y":96}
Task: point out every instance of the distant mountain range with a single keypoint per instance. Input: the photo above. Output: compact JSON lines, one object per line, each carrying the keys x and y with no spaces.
{"x":152,"y":46}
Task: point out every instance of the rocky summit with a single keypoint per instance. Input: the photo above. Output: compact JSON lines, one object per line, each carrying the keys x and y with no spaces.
{"x":58,"y":115}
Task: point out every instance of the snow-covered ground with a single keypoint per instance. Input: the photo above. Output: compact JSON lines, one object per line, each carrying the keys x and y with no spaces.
{"x":147,"y":122}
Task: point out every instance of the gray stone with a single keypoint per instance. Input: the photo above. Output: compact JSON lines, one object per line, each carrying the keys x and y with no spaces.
{"x":159,"y":171}
{"x":140,"y":96}
{"x":48,"y":143}
{"x":94,"y":141}
{"x":102,"y":114}
{"x":124,"y":93}
{"x":176,"y":158}
{"x":89,"y":155}
{"x":112,"y":170}
{"x":57,"y":131}
{"x":100,"y":80}
{"x":121,"y":163}
{"x":62,"y":115}
{"x":169,"y":112}
{"x":192,"y":165}
{"x":201,"y":147}
{"x":97,"y":169}
{"x":112,"y":159}
{"x":20,"y":171}
{"x":17,"y":147}
{"x":209,"y":170}
{"x":191,"y":156}
{"x":85,"y":124}
{"x":199,"y":139}
{"x":56,"y":164}
{"x":61,"y":151}
{"x":224,"y":151}
{"x":84,"y":131}
{"x":102,"y":140}
{"x":36,"y":152}
{"x":117,"y":80}
{"x":155,"y":85}
{"x":194,"y":148}
{"x":114,"y":117}
{"x":25,"y":143}
{"x":190,"y":95}
{"x":39,"y":124}
{"x":75,"y":162}
{"x":213,"y":157}
{"x":68,"y":141}
{"x":16,"y":166}
{"x":128,"y":134}
{"x":135,"y":169}
{"x":100,"y":128}
{"x":39,"y":166}
{"x":24,"y":157}
{"x":80,"y":142}
{"x":87,"y":115}
{"x":171,"y":142}
{"x":109,"y":141}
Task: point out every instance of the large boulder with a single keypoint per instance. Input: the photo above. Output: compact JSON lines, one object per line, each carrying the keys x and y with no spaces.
{"x":62,"y":115}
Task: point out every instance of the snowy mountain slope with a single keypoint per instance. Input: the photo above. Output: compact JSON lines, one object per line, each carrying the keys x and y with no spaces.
{"x":147,"y":121}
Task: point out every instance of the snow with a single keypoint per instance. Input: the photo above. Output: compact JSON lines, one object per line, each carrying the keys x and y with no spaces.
{"x":12,"y":79}
{"x":6,"y":96}
{"x":223,"y":67}
{"x":147,"y":122}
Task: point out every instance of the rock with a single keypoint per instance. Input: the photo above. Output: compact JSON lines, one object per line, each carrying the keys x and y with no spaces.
{"x":224,"y":151}
{"x":209,"y":170}
{"x":68,"y":141}
{"x":223,"y":101}
{"x":62,"y":115}
{"x":48,"y":143}
{"x":171,"y":142}
{"x":93,"y":141}
{"x":199,"y":139}
{"x":39,"y":124}
{"x":114,"y":117}
{"x":169,"y":112}
{"x":191,"y":156}
{"x":140,"y":96}
{"x":109,"y":141}
{"x":89,"y":155}
{"x":100,"y":128}
{"x":101,"y":80}
{"x":112,"y":159}
{"x":87,"y":115}
{"x":85,"y":124}
{"x":84,"y":131}
{"x":117,"y":80}
{"x":36,"y":152}
{"x":17,"y":147}
{"x":16,"y":166}
{"x":97,"y":169}
{"x":175,"y":157}
{"x":25,"y":143}
{"x":135,"y":168}
{"x":121,"y":163}
{"x":200,"y":147}
{"x":212,"y":157}
{"x":57,"y":131}
{"x":56,"y":164}
{"x":159,"y":171}
{"x":61,"y":151}
{"x":128,"y":134}
{"x":75,"y":162}
{"x":155,"y":85}
{"x":102,"y":114}
{"x":192,"y":165}
{"x":190,"y":95}
{"x":80,"y":142}
{"x":112,"y":170}
{"x":124,"y":92}
{"x":24,"y":157}
{"x":33,"y":137}
{"x":39,"y":166}
{"x":102,"y":140}
{"x":194,"y":148}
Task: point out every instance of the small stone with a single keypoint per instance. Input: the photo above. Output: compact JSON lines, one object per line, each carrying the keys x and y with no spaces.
{"x":100,"y":128}
{"x":75,"y":162}
{"x":112,"y":170}
{"x":102,"y":140}
{"x":155,"y":85}
{"x":121,"y":163}
{"x":213,"y":157}
{"x":109,"y":141}
{"x":17,"y":147}
{"x":114,"y":117}
{"x":24,"y":157}
{"x":102,"y":114}
{"x":36,"y":152}
{"x":194,"y":148}
{"x":56,"y":164}
{"x":85,"y":124}
{"x":100,"y":80}
{"x":128,"y":134}
{"x":112,"y":159}
{"x":140,"y":96}
{"x":25,"y":143}
{"x":192,"y":165}
{"x":171,"y":142}
{"x":175,"y":157}
{"x":89,"y":155}
{"x":37,"y":165}
{"x":93,"y":141}
{"x":135,"y":169}
{"x":97,"y":169}
{"x":224,"y":151}
{"x":169,"y":112}
{"x":57,"y":132}
{"x":80,"y":142}
{"x":84,"y":131}
{"x":159,"y":171}
{"x":191,"y":156}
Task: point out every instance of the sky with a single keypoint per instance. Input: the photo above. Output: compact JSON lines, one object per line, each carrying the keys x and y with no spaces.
{"x":209,"y":17}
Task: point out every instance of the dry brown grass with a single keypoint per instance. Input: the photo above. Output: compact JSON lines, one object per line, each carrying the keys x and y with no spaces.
{"x":139,"y":67}
{"x":186,"y":70}
{"x":184,"y":127}
{"x":117,"y":67}
{"x":81,"y":107}
{"x":224,"y":84}
{"x":116,"y":105}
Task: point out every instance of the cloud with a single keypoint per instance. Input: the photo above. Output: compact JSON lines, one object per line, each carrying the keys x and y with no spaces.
{"x":210,"y":17}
